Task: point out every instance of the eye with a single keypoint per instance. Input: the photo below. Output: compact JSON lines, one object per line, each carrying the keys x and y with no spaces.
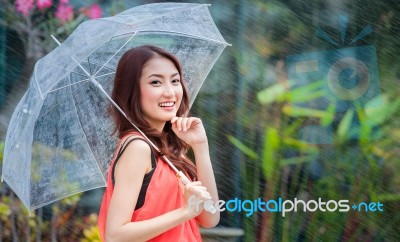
{"x":176,"y":81}
{"x":155,"y":82}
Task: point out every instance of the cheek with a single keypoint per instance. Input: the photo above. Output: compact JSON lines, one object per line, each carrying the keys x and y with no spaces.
{"x":147,"y":94}
{"x":146,"y":97}
{"x":179,"y":93}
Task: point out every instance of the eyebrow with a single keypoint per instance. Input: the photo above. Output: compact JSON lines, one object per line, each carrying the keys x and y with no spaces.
{"x":160,"y":76}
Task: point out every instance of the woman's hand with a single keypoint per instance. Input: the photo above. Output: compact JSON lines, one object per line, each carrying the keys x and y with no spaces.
{"x":190,"y":130}
{"x":195,"y":195}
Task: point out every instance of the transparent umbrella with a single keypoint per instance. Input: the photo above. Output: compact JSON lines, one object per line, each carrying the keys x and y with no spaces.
{"x":59,"y":141}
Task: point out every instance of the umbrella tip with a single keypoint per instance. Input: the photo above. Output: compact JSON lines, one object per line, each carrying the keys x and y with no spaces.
{"x":55,"y":39}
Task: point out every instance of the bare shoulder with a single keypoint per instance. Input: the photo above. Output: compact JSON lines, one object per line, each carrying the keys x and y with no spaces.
{"x":136,"y":158}
{"x":137,"y":146}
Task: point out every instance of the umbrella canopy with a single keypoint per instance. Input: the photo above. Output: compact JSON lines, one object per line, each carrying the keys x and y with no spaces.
{"x":59,"y":141}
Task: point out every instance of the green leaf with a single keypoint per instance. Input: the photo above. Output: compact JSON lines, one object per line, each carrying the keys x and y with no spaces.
{"x":294,"y":111}
{"x":387,"y":197}
{"x":271,"y":94}
{"x":379,"y":109}
{"x":330,"y":114}
{"x":307,"y":92}
{"x":243,"y":148}
{"x":271,"y":147}
{"x":5,"y":211}
{"x":301,"y":145}
{"x":1,"y":150}
{"x":345,"y":124}
{"x":293,"y":127}
{"x":296,"y":160}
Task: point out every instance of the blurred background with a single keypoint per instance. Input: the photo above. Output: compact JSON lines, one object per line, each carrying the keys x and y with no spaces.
{"x":302,"y":105}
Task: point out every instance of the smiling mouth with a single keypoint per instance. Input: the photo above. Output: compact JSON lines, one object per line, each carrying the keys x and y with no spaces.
{"x":166,"y":104}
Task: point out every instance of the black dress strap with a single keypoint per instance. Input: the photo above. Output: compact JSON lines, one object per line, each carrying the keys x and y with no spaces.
{"x":123,"y":148}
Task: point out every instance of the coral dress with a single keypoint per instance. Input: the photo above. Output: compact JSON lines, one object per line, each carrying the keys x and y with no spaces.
{"x":163,"y":195}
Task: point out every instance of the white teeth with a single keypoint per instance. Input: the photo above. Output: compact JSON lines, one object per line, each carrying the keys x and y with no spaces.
{"x":167,"y":104}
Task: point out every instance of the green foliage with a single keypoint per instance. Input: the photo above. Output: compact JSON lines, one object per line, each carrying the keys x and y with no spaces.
{"x":344,"y":125}
{"x":91,"y":234}
{"x":243,"y":148}
{"x":357,"y":172}
{"x":271,"y":146}
{"x":360,"y":161}
{"x":15,"y":219}
{"x":272,"y":94}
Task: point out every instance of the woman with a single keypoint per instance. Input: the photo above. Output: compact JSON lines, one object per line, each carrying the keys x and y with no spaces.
{"x":144,"y":200}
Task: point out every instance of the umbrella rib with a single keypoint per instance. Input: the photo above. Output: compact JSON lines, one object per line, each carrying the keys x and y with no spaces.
{"x":97,"y":65}
{"x":72,"y":72}
{"x":84,"y":80}
{"x":116,"y":52}
{"x":179,"y":33}
{"x":37,"y":83}
{"x":57,"y":89}
{"x":90,"y":68}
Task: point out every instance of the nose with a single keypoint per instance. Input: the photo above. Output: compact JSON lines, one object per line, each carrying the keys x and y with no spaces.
{"x":169,"y":90}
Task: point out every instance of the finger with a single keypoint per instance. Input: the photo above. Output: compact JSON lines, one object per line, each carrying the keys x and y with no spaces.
{"x":199,"y":192}
{"x":174,"y":121}
{"x":195,"y":183}
{"x":195,"y":122}
{"x":189,"y":123}
{"x":202,"y":192}
{"x":200,"y":187}
{"x":179,"y":123}
{"x":204,"y":195}
{"x":184,"y":124}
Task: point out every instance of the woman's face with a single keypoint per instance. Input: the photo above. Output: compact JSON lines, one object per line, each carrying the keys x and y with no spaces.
{"x":161,"y":91}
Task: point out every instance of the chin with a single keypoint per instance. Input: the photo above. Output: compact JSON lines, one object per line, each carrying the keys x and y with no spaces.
{"x":167,"y":118}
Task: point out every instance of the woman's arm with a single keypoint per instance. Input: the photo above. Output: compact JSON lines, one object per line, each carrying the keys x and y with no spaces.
{"x":191,"y":131}
{"x":129,"y":173}
{"x":206,"y":176}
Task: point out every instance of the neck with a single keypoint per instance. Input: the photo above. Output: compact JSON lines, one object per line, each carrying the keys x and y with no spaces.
{"x":158,"y":127}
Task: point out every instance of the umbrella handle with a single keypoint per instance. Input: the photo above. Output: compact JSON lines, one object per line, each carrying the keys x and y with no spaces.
{"x":182,"y":177}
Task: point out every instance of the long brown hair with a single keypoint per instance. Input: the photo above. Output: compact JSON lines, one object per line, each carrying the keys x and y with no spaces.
{"x":126,"y":93}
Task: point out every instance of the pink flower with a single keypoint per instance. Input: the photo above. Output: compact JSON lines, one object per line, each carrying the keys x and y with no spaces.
{"x":94,"y":11}
{"x":64,"y":12}
{"x":24,"y":6}
{"x":64,"y":1}
{"x":42,"y":4}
